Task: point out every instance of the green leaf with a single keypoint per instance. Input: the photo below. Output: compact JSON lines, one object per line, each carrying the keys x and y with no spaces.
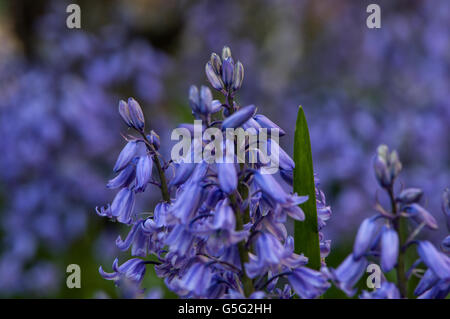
{"x":306,"y":232}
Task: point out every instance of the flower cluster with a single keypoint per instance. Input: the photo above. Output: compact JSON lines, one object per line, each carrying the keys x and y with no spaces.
{"x":387,"y":243}
{"x":219,"y":230}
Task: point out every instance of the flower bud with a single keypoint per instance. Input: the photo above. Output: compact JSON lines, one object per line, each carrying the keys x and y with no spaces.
{"x":216,"y":105}
{"x":268,"y":124}
{"x":364,"y":238}
{"x":389,"y":248}
{"x":226,"y":53}
{"x":410,"y":195}
{"x":394,"y":165}
{"x":238,"y":118}
{"x":205,"y":100}
{"x":382,"y":152}
{"x":382,"y":172}
{"x":213,"y":78}
{"x":126,"y":155}
{"x":136,"y":115}
{"x":238,"y":76}
{"x":194,"y":99}
{"x":421,"y":215}
{"x":153,"y":138}
{"x":227,"y":72}
{"x":123,"y":179}
{"x":216,"y":63}
{"x":125,"y":113}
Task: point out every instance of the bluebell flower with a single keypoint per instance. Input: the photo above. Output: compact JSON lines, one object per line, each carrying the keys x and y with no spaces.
{"x":197,"y":278}
{"x":182,"y":173}
{"x":435,"y":260}
{"x":188,"y":201}
{"x":445,"y":245}
{"x":349,"y":273}
{"x":133,"y":269}
{"x":125,"y":113}
{"x":200,"y":101}
{"x":206,"y":100}
{"x":180,"y":240}
{"x":268,"y":251}
{"x":277,"y":259}
{"x":136,"y":115}
{"x":143,"y":172}
{"x":139,"y":239}
{"x":126,"y":155}
{"x":267,"y":123}
{"x":325,"y":248}
{"x":285,"y":161}
{"x":308,"y":283}
{"x":124,"y":178}
{"x":285,"y":293}
{"x":194,"y":99}
{"x":439,"y":291}
{"x":365,"y":237}
{"x":428,"y":280}
{"x":251,"y":124}
{"x":388,"y":290}
{"x":235,"y":294}
{"x":227,"y":175}
{"x":224,"y":216}
{"x":239,"y":117}
{"x":271,"y":188}
{"x":290,"y":259}
{"x":123,"y":205}
{"x":202,"y":230}
{"x":421,"y":215}
{"x":389,"y":248}
{"x":160,"y":215}
{"x":221,"y":230}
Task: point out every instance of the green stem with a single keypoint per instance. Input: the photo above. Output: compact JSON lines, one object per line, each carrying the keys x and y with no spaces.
{"x":241,"y":218}
{"x":399,"y":227}
{"x":162,"y":177}
{"x":230,"y":103}
{"x":243,"y":254}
